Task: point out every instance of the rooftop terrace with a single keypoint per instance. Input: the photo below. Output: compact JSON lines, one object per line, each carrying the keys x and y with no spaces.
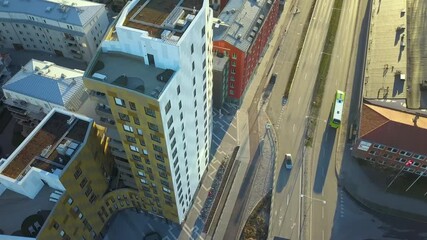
{"x":130,"y":72}
{"x":51,"y":147}
{"x":156,"y":16}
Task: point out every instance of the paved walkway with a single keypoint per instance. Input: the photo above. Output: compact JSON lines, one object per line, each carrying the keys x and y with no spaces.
{"x":368,"y":187}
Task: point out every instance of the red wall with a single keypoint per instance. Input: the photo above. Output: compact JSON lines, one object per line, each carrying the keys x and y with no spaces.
{"x":246,"y":63}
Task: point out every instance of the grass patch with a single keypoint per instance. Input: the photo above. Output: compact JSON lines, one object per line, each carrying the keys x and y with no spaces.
{"x":322,"y":73}
{"x":300,"y":44}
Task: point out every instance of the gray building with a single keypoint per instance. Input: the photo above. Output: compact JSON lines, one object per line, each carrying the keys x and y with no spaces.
{"x":220,"y":80}
{"x":72,"y":29}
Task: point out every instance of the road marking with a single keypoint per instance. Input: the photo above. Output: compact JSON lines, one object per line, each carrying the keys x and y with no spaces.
{"x":323,"y":212}
{"x":299,"y":100}
{"x":323,"y":234}
{"x":287,"y":200}
{"x":293,"y":128}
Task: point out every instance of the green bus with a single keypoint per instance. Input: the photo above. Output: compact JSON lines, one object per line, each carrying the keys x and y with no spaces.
{"x":337,"y":108}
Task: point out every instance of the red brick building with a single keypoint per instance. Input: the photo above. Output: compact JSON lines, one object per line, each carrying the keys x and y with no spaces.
{"x":392,"y":138}
{"x":241,"y":33}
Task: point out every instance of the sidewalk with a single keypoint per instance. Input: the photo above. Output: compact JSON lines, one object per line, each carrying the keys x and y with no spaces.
{"x":243,"y":157}
{"x":356,"y":180}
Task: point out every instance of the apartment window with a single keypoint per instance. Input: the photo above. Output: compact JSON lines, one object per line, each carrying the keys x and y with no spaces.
{"x":166,"y":190}
{"x":136,"y":158}
{"x":141,"y":173}
{"x":70,"y":201}
{"x":204,"y":75}
{"x":134,"y":148}
{"x":136,"y":120}
{"x":124,"y":117}
{"x":139,"y":131}
{"x":193,"y":66}
{"x":83,"y":182}
{"x":132,"y":106}
{"x":203,"y":31}
{"x":204,"y":63}
{"x":181,"y":116}
{"x":178,"y":89}
{"x":159,"y":157}
{"x":233,"y":70}
{"x":174,"y":153}
{"x":161,"y":167}
{"x":150,"y":112}
{"x":130,"y":139}
{"x":204,"y":48}
{"x":153,"y":127}
{"x":119,"y":102}
{"x":194,"y":81}
{"x":157,"y":148}
{"x":142,"y":142}
{"x":127,"y":128}
{"x":233,"y":63}
{"x":173,"y":143}
{"x":77,"y":173}
{"x":168,"y":107}
{"x":88,"y":191}
{"x":234,"y":56}
{"x":192,"y":48}
{"x":195,"y":103}
{"x":170,"y":121}
{"x":145,"y":152}
{"x":143,"y":181}
{"x":154,"y":137}
{"x":231,"y":92}
{"x":92,"y":198}
{"x":180,"y":105}
{"x":171,"y":133}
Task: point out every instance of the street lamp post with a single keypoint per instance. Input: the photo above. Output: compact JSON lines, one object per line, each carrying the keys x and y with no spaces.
{"x":416,"y":180}
{"x":407,"y":164}
{"x":315,"y":199}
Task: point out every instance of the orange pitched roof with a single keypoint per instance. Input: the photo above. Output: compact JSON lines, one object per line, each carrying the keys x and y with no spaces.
{"x":394,"y":128}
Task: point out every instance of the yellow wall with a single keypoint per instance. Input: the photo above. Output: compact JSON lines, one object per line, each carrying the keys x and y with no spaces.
{"x":157,"y":204}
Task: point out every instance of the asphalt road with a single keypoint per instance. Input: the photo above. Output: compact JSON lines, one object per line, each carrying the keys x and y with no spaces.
{"x":328,"y":142}
{"x":285,"y":214}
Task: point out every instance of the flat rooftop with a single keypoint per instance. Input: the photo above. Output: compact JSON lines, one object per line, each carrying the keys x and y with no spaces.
{"x":50,"y":147}
{"x":155,"y":16}
{"x":18,"y":207}
{"x":385,"y":68}
{"x":129,"y":72}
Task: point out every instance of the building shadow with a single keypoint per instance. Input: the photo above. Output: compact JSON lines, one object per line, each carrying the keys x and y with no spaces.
{"x":221,"y":123}
{"x":398,"y":85}
{"x":324,"y":157}
{"x":283,"y":178}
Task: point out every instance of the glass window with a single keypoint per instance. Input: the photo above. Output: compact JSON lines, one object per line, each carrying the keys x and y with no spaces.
{"x":134,"y":148}
{"x":136,"y":120}
{"x":168,"y":106}
{"x":153,"y":127}
{"x":132,"y":105}
{"x":127,"y":128}
{"x":150,"y":112}
{"x":154,"y":137}
{"x":124,"y":117}
{"x":139,"y":131}
{"x":120,"y":102}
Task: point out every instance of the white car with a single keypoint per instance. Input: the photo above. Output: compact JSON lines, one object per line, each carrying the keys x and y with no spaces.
{"x":288,"y":161}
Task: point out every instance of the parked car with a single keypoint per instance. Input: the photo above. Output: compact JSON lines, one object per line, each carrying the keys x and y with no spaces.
{"x":288,"y":161}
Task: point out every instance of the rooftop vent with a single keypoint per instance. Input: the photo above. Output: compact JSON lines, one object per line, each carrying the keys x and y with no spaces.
{"x":239,"y":36}
{"x":63,"y":75}
{"x":233,"y":10}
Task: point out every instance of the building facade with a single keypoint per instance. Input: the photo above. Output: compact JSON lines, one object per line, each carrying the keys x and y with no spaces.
{"x":392,"y":139}
{"x":152,"y":78}
{"x":241,"y":33}
{"x":39,"y":87}
{"x":220,"y":80}
{"x":72,"y":29}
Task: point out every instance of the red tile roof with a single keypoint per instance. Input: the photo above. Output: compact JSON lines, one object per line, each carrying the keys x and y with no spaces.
{"x":394,"y":128}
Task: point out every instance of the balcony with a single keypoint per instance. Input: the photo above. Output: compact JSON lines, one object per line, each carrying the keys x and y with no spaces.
{"x":69,"y":38}
{"x":106,"y":122}
{"x":99,"y":97}
{"x":103,"y":111}
{"x":116,"y":144}
{"x":115,"y":152}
